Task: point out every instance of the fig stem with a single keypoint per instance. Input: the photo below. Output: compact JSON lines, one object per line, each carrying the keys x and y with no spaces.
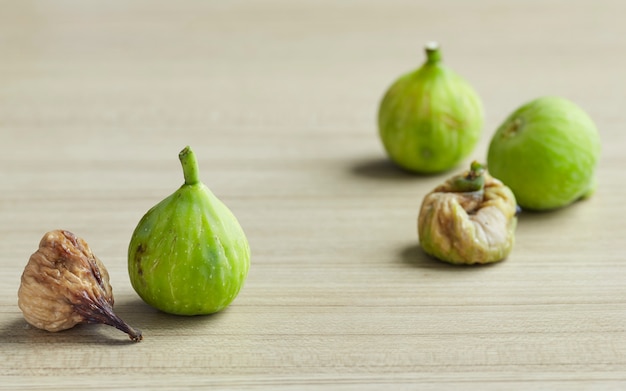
{"x":433,"y":53}
{"x":117,"y":322}
{"x":101,"y":312}
{"x":190,"y":166}
{"x":471,"y":181}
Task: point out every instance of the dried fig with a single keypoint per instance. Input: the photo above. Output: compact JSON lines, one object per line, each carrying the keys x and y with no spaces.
{"x":469,"y":219}
{"x":65,"y":284}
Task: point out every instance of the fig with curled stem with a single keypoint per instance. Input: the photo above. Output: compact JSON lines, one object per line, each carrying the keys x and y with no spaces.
{"x":65,"y":284}
{"x":469,"y":219}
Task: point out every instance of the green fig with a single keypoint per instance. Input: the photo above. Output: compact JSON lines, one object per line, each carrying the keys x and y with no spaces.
{"x":469,"y":219}
{"x":188,"y":255}
{"x":546,"y":151}
{"x":430,"y":119}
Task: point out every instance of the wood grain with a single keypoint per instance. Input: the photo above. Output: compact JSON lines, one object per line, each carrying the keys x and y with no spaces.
{"x":279,"y":101}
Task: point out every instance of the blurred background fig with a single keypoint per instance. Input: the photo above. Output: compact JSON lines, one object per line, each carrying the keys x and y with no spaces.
{"x":430,"y":119}
{"x":546,"y":151}
{"x":188,"y":255}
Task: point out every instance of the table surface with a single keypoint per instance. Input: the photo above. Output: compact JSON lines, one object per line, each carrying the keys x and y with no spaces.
{"x":279,"y":101}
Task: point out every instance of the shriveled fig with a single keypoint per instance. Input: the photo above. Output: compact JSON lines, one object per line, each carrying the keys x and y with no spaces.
{"x":65,"y":284}
{"x":469,"y":219}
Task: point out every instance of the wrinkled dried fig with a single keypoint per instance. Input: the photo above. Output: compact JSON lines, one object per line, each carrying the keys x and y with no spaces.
{"x":65,"y":284}
{"x":470,"y":219}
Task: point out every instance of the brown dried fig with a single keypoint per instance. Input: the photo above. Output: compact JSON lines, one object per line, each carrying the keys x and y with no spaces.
{"x":469,"y":219}
{"x":65,"y":284}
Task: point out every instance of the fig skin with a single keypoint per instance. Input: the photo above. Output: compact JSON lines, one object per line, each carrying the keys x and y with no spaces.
{"x":546,"y":151}
{"x":188,"y":254}
{"x":468,"y":227}
{"x":430,"y":119}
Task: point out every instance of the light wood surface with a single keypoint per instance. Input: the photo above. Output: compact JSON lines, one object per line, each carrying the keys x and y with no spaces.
{"x":279,"y":101}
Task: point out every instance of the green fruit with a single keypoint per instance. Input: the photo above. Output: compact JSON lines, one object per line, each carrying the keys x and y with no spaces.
{"x":430,"y":119}
{"x":546,"y":152}
{"x":188,"y":254}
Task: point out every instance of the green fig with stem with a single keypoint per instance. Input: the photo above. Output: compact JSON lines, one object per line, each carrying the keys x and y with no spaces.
{"x":189,"y":255}
{"x":430,"y":119}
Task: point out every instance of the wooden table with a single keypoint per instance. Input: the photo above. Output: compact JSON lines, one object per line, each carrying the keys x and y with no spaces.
{"x":279,"y":101}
